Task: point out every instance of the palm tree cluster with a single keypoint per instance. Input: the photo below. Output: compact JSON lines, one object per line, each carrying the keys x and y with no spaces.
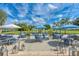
{"x":63,"y":21}
{"x":25,"y":27}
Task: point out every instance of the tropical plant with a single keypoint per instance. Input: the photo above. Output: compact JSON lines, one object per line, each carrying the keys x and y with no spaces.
{"x":3,"y":17}
{"x":24,"y":26}
{"x":64,"y":21}
{"x":47,"y":26}
{"x":31,"y":27}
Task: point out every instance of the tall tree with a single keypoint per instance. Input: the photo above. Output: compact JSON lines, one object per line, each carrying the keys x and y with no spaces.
{"x":25,"y":26}
{"x":47,"y":26}
{"x":49,"y":30}
{"x":64,"y":21}
{"x":31,"y":27}
{"x":76,"y":22}
{"x":3,"y":17}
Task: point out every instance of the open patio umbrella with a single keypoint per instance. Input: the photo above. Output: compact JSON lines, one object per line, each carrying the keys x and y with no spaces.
{"x":70,"y":26}
{"x":11,"y":26}
{"x":57,"y":28}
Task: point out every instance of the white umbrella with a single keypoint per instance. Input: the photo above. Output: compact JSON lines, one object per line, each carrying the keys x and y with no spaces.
{"x":70,"y":26}
{"x":10,"y":26}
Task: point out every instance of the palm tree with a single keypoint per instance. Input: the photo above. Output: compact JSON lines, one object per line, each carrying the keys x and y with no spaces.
{"x":63,"y":21}
{"x":23,"y":26}
{"x":47,"y":26}
{"x":31,"y":27}
{"x":3,"y":17}
{"x":49,"y":30}
{"x":26,"y":27}
{"x":76,"y":22}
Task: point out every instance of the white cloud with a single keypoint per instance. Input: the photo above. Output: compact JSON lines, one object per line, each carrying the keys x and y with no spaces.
{"x":70,"y":19}
{"x":22,"y":9}
{"x":26,"y":21}
{"x":59,"y":16}
{"x":52,"y":6}
{"x":39,"y":20}
{"x":15,"y":20}
{"x":22,"y":15}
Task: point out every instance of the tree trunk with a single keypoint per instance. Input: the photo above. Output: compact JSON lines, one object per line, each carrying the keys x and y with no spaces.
{"x":50,"y":37}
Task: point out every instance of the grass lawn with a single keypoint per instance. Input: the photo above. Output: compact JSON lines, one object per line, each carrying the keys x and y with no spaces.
{"x":52,"y":31}
{"x":13,"y":32}
{"x":69,"y":31}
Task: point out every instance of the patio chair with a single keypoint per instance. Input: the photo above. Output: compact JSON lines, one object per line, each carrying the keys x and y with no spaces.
{"x":45,"y":37}
{"x":22,"y":47}
{"x":15,"y":49}
{"x":2,"y":50}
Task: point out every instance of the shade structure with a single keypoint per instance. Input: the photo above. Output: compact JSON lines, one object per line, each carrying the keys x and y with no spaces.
{"x":10,"y":26}
{"x":70,"y":26}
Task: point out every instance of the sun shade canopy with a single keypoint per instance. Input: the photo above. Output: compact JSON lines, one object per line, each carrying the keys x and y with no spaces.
{"x":10,"y":26}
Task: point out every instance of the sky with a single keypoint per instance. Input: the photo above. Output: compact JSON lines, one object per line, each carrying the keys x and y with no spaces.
{"x":39,"y":13}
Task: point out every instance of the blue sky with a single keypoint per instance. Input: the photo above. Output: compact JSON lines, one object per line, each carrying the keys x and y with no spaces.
{"x":39,"y":13}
